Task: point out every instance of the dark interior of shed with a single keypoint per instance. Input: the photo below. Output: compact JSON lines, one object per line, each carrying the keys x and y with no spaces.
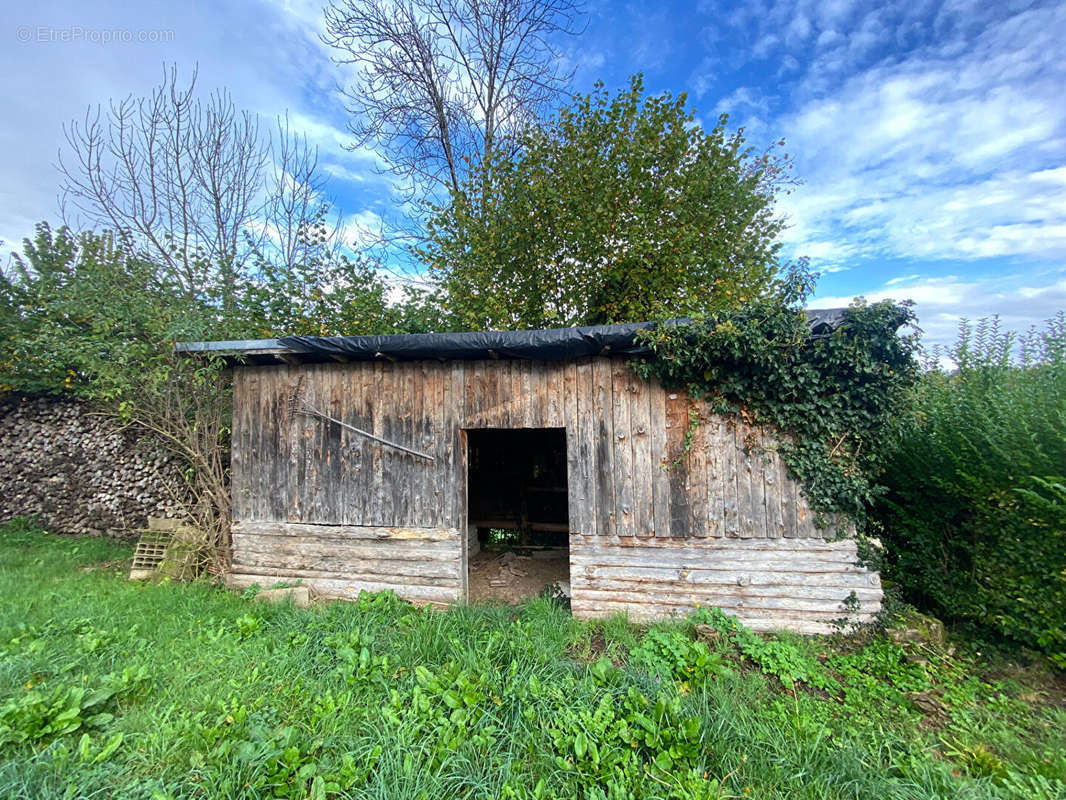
{"x":517,"y":500}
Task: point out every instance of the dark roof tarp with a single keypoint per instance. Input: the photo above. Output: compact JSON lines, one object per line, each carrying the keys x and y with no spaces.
{"x":552,"y":344}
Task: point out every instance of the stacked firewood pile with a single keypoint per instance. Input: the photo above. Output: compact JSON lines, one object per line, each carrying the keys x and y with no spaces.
{"x":78,"y":471}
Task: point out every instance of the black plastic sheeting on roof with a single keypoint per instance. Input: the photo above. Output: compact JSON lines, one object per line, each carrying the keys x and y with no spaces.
{"x":553,"y":344}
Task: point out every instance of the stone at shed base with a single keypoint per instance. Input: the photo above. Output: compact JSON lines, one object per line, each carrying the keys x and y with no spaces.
{"x":300,"y":596}
{"x":916,"y":628}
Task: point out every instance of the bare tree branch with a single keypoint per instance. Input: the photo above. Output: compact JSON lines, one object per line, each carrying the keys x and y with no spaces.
{"x":439,"y":85}
{"x":196,"y":184}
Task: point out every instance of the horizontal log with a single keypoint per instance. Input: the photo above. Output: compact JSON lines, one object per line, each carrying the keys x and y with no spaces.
{"x":396,"y":551}
{"x":805,"y":605}
{"x":710,"y":591}
{"x":651,"y":613}
{"x":730,"y":577}
{"x":606,"y":543}
{"x":359,"y":576}
{"x":740,"y":563}
{"x":345,"y":588}
{"x":360,"y":532}
{"x":245,"y":562}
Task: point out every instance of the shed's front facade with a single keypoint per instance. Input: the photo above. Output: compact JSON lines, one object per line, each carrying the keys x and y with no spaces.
{"x":668,"y":505}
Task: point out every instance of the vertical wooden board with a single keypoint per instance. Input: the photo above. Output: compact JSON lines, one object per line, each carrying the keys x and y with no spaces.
{"x":539,"y":408}
{"x":535,"y":397}
{"x":696,"y":486}
{"x":340,"y":404}
{"x":803,"y":516}
{"x":644,"y":467}
{"x":623,"y":448}
{"x":284,"y":437}
{"x":417,"y":500}
{"x":391,"y":388}
{"x":372,"y":504}
{"x":265,"y":446}
{"x":553,"y":407}
{"x":439,"y":479}
{"x":484,"y":394}
{"x":775,"y":522}
{"x":240,"y":444}
{"x":505,"y":400}
{"x":349,"y":399}
{"x":261,"y":460}
{"x":461,"y":475}
{"x":677,"y":424}
{"x":715,"y":482}
{"x":531,"y":394}
{"x":518,"y":408}
{"x":471,"y":394}
{"x":660,"y":482}
{"x":408,"y":469}
{"x":451,"y":439}
{"x":312,"y":453}
{"x":729,"y":470}
{"x":359,"y":508}
{"x":758,"y":485}
{"x":744,"y":483}
{"x":327,"y":433}
{"x":585,"y":395}
{"x":490,"y":408}
{"x":293,"y":433}
{"x":788,"y":501}
{"x":604,"y":422}
{"x":435,"y":412}
{"x":574,"y":496}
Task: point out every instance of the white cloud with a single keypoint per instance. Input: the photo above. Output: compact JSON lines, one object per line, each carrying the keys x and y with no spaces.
{"x":932,"y":157}
{"x":361,"y":229}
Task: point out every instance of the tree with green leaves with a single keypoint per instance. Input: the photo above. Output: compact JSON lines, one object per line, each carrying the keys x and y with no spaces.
{"x":622,"y":208}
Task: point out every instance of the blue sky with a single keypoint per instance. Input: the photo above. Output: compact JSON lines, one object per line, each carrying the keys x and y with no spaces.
{"x":930,"y":137}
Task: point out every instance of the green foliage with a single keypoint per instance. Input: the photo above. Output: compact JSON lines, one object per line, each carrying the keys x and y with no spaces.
{"x":327,"y":293}
{"x":832,"y":396}
{"x":620,"y":209}
{"x":86,"y":315}
{"x":41,"y":715}
{"x":782,"y":658}
{"x":975,"y":515}
{"x":672,"y":655}
{"x":377,"y":698}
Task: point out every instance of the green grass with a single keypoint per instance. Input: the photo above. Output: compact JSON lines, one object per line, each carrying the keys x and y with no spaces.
{"x":117,"y":689}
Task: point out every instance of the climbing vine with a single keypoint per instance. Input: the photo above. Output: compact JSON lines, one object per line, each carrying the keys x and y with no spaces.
{"x":831,"y":395}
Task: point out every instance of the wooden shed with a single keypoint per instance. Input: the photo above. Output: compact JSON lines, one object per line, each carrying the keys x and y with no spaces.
{"x":371,"y":463}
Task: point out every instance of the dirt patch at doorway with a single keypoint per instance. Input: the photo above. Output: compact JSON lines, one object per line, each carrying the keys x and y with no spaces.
{"x":511,"y":578}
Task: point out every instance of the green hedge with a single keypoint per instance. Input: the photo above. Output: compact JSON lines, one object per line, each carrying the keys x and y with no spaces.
{"x":975,"y":516}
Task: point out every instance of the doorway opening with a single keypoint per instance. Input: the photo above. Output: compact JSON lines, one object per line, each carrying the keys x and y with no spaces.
{"x":518,"y":514}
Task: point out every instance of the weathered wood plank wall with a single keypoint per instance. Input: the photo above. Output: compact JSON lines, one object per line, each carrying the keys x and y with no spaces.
{"x":651,"y":475}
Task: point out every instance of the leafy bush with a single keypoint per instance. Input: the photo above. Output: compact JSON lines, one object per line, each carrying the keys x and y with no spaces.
{"x":975,"y":516}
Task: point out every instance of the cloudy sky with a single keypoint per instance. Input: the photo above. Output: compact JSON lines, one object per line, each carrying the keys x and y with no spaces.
{"x":930,"y":136}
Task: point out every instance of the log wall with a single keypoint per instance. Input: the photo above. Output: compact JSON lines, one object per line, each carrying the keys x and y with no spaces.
{"x":657,"y":486}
